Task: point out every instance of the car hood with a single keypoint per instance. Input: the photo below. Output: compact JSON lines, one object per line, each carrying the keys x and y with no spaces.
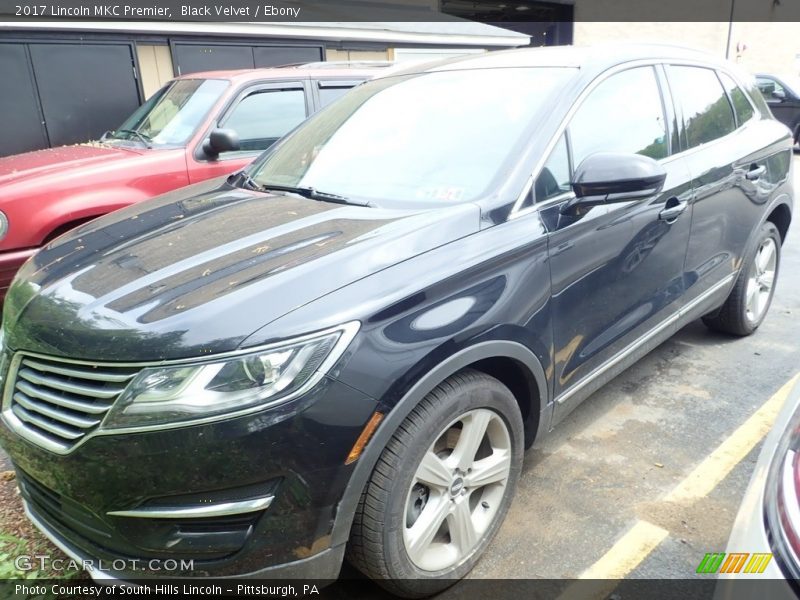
{"x":41,"y":165}
{"x":198,"y":270}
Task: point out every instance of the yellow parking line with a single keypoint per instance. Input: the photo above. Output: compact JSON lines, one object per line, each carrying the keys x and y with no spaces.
{"x":641,"y":539}
{"x":638,"y":542}
{"x":716,"y":466}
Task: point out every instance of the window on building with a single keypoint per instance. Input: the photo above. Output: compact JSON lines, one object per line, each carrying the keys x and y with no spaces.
{"x":622,"y":114}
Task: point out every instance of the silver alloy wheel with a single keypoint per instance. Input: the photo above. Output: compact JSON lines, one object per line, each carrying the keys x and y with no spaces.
{"x":457,"y":490}
{"x":762,"y":278}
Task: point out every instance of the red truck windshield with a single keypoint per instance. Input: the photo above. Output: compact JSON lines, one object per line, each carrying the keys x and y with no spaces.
{"x":172,"y":114}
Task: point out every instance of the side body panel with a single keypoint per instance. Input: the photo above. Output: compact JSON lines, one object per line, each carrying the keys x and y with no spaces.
{"x":617,"y":273}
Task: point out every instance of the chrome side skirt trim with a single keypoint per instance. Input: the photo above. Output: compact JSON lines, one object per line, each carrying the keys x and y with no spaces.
{"x":222,"y":509}
{"x":638,"y":343}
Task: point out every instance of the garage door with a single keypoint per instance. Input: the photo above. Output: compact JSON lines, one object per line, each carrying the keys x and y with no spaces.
{"x":192,"y":58}
{"x":84,"y":89}
{"x":22,"y":122}
{"x":63,"y":93}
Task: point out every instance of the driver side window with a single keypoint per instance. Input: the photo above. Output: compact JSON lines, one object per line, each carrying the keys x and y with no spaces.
{"x":265,"y":116}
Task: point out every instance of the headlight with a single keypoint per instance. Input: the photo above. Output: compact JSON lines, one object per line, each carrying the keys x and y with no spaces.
{"x":237,"y":384}
{"x":3,"y":224}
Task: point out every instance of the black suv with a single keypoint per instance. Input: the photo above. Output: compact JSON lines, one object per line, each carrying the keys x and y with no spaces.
{"x":345,"y":349}
{"x":783,"y":97}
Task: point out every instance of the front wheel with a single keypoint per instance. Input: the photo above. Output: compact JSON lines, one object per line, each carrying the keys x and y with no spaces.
{"x":749,"y":301}
{"x":441,"y":488}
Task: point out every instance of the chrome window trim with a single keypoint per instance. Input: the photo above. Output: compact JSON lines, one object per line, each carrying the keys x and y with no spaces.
{"x":517,"y":209}
{"x":349,"y":331}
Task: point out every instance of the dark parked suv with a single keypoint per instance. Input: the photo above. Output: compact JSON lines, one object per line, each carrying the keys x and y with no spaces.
{"x":344,"y":349}
{"x":783,"y":97}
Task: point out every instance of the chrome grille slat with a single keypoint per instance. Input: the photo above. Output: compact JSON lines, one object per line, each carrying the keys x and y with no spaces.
{"x":55,"y":402}
{"x":66,"y":386}
{"x":41,"y":423}
{"x":42,"y":394}
{"x":59,"y":415}
{"x":77,"y":373}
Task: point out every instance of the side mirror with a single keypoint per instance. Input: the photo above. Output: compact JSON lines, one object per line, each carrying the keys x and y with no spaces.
{"x":219,"y":141}
{"x":608,"y":177}
{"x":779,"y":95}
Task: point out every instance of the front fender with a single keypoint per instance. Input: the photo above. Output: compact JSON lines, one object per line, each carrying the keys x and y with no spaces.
{"x":424,"y":385}
{"x":82,"y":207}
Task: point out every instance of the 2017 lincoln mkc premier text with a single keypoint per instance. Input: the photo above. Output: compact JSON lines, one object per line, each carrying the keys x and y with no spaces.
{"x":344,"y":349}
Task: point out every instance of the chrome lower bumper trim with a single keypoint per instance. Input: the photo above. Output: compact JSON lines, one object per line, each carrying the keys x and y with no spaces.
{"x":101,"y":577}
{"x":222,"y":509}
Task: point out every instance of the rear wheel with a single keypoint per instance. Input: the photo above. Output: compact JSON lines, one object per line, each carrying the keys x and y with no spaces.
{"x":441,"y":488}
{"x":749,"y":301}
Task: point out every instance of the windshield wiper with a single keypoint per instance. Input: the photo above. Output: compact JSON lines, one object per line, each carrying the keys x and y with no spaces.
{"x":311,"y":193}
{"x":145,"y":139}
{"x":245,"y":181}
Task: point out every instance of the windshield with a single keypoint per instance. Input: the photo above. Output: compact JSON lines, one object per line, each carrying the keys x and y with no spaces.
{"x":435,"y":137}
{"x":172,"y":114}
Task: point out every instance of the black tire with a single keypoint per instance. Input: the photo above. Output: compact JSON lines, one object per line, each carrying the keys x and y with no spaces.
{"x":732,"y":316}
{"x":376,"y":546}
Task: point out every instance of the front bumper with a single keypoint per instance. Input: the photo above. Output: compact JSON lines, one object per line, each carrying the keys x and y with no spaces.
{"x":10,"y":262}
{"x":323,"y":566}
{"x":93,"y":502}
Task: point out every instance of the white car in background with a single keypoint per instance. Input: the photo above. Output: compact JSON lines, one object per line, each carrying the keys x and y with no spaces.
{"x":768,"y":521}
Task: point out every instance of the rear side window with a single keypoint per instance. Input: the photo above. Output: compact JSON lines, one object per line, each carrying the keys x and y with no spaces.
{"x":329,"y":94}
{"x":741,"y":105}
{"x":707,"y":113}
{"x":622,"y":114}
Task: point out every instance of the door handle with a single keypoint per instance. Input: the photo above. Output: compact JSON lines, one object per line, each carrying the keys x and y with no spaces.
{"x":755,"y":172}
{"x":670,"y":213}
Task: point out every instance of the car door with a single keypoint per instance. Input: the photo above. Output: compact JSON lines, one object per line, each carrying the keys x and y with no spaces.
{"x":728,"y":163}
{"x":616,"y":270}
{"x":260,"y":115}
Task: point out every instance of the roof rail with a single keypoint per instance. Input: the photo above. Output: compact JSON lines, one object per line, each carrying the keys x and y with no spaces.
{"x":341,"y":64}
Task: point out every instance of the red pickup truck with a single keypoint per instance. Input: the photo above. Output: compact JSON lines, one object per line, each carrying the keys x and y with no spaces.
{"x":196,"y":127}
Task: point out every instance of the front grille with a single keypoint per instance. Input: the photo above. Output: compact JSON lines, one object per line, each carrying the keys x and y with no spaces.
{"x":60,"y":402}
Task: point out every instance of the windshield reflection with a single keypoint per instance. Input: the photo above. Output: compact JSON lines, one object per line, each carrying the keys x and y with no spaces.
{"x":172,"y":115}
